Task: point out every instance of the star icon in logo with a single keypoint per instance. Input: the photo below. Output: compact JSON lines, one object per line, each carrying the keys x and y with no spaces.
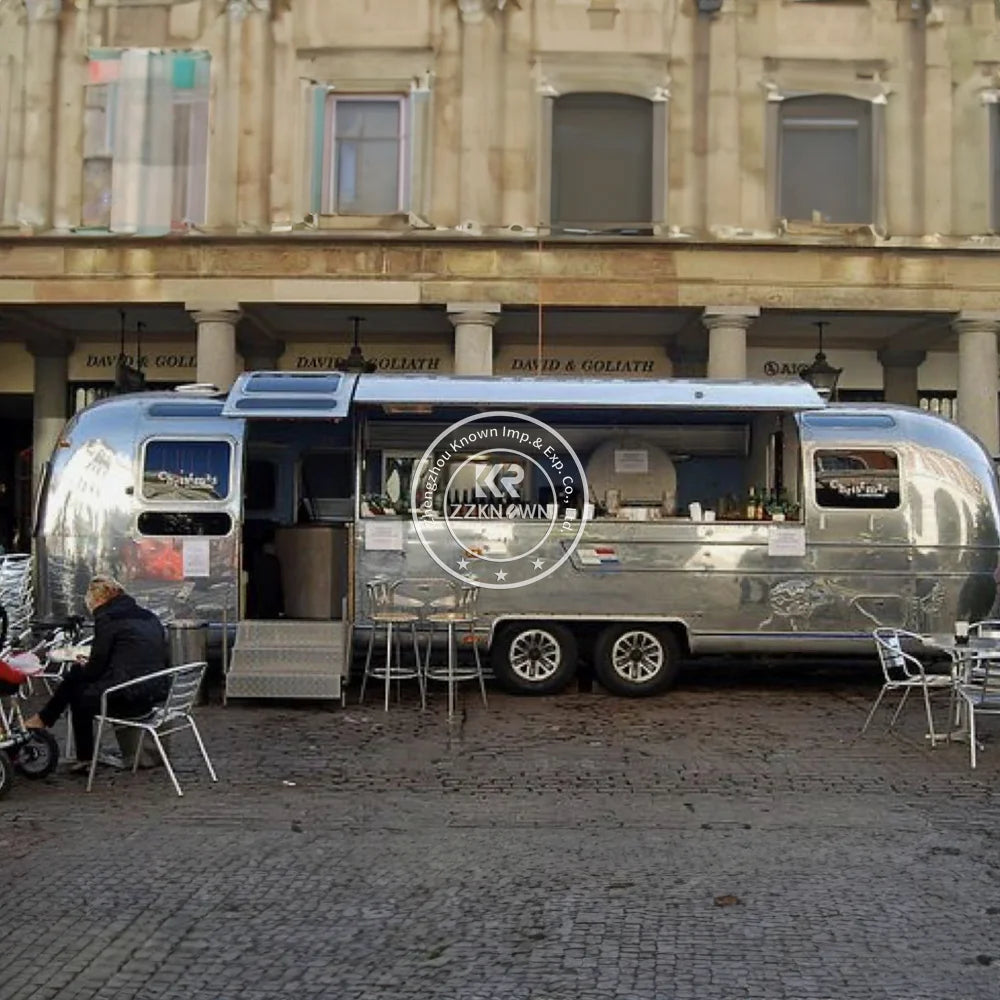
{"x":501,"y":574}
{"x":538,"y":563}
{"x":463,"y":563}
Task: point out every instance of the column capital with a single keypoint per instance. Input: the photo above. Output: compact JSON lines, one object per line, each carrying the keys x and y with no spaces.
{"x":42,"y":10}
{"x":475,"y":11}
{"x":49,"y":345}
{"x":733,"y":317}
{"x":974,"y":321}
{"x":215,"y":314}
{"x":484,"y":313}
{"x":901,"y":357}
{"x":237,"y":10}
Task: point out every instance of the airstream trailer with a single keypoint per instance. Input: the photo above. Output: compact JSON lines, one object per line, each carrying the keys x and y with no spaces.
{"x":633,"y":524}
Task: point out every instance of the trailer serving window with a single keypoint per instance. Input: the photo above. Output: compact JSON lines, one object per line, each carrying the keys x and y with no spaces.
{"x":186,"y":470}
{"x":857,"y":478}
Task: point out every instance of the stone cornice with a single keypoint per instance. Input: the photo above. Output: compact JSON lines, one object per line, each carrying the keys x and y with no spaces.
{"x":411,"y":271}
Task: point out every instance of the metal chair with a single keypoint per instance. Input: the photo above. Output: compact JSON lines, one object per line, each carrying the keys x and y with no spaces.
{"x":902,"y":671}
{"x":459,"y":612}
{"x":978,"y":692}
{"x":392,"y":610}
{"x":173,"y":716}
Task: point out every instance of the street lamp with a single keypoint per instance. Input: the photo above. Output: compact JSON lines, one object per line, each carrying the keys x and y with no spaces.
{"x":821,"y":375}
{"x":355,"y":363}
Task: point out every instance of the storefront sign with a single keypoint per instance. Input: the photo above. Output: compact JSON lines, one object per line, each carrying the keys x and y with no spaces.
{"x":644,"y":361}
{"x":431,"y":359}
{"x":862,"y":369}
{"x":158,"y":362}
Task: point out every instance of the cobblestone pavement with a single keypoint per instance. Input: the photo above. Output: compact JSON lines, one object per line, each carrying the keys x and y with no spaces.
{"x":724,"y":840}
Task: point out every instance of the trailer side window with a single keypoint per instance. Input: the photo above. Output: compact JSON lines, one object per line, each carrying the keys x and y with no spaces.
{"x":858,"y":479}
{"x":184,"y":523}
{"x":186,"y":470}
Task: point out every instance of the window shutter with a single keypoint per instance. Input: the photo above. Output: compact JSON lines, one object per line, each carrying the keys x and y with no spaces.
{"x":316,"y":97}
{"x":416,"y":189}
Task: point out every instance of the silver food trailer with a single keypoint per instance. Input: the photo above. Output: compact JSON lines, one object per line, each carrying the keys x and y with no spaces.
{"x":631,"y":523}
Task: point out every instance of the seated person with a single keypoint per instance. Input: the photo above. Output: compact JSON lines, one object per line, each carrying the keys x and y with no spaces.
{"x":129,"y":642}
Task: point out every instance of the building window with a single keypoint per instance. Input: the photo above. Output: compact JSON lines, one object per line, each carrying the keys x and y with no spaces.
{"x":145,"y":156}
{"x":826,"y":166}
{"x":363,"y":155}
{"x":602,"y":162}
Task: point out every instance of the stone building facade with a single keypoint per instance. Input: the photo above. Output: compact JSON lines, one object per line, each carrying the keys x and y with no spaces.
{"x":607,"y":187}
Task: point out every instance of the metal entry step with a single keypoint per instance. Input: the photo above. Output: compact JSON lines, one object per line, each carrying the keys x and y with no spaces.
{"x":288,"y":659}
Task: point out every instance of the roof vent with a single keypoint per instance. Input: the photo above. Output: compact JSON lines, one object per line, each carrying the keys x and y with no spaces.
{"x":198,"y":389}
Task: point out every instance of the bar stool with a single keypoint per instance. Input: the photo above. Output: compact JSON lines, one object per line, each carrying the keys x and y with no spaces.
{"x":461,"y":612}
{"x":392,"y":612}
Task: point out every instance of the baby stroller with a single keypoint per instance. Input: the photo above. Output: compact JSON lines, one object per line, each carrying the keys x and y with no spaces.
{"x":32,"y":752}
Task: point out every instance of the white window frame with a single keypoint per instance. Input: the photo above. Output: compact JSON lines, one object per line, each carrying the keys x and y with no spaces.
{"x":991,"y":99}
{"x":775,"y":98}
{"x":658,"y":95}
{"x":329,"y":188}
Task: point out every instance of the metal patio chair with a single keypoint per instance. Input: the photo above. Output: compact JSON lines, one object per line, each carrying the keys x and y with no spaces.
{"x":394,"y":611}
{"x":173,"y":716}
{"x":978,"y":691}
{"x":458,"y":612}
{"x":902,"y":671}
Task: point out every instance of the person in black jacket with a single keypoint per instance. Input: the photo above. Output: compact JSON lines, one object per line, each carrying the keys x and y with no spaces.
{"x":129,"y":642}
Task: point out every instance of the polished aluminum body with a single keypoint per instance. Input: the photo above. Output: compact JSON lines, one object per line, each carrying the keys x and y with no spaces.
{"x":724,"y":585}
{"x":91,"y":501}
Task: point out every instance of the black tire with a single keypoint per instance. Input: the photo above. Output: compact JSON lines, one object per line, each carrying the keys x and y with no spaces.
{"x":6,"y":773}
{"x":636,"y":660}
{"x":534,"y":657}
{"x":38,"y":757}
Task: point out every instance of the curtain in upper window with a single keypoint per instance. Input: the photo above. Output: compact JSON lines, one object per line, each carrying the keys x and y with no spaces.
{"x":146,"y":140}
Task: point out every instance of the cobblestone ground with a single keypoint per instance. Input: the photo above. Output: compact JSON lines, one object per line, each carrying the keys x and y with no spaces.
{"x":724,"y":840}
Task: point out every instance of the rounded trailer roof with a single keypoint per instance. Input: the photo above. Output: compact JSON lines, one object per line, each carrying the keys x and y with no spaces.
{"x":490,"y":390}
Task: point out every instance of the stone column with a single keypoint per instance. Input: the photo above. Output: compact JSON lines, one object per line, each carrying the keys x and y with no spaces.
{"x":899,"y":374}
{"x":254,"y":140}
{"x":727,"y":339}
{"x":977,"y":375}
{"x":51,"y":397}
{"x":474,"y":322}
{"x":217,"y":363}
{"x":478,"y":92}
{"x":42,"y":48}
{"x":260,"y":355}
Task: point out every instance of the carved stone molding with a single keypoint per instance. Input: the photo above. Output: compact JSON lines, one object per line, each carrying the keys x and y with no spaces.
{"x":38,"y":10}
{"x":237,"y":10}
{"x":475,"y":11}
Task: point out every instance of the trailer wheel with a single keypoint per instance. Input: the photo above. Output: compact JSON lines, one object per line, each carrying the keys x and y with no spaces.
{"x":38,"y":757}
{"x":6,"y":773}
{"x":636,"y":660}
{"x":534,"y":657}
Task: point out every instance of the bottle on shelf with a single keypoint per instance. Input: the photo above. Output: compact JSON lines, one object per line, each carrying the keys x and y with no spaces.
{"x":751,"y":509}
